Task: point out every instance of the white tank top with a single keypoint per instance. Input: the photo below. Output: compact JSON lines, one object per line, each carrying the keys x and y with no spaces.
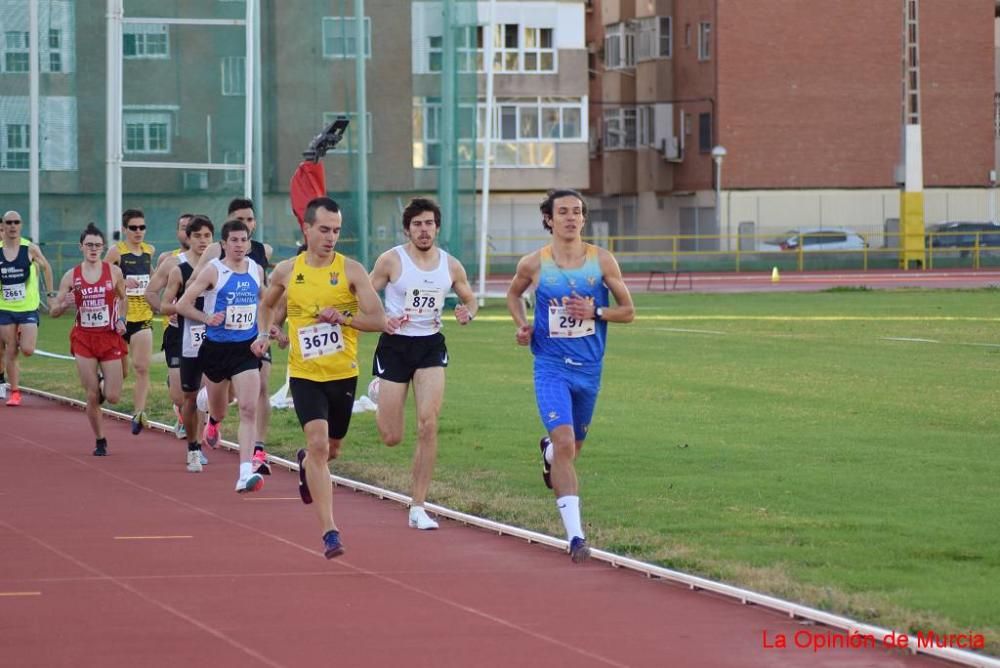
{"x":418,"y":295}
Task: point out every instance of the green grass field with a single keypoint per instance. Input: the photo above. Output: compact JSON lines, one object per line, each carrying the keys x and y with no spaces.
{"x":776,"y":441}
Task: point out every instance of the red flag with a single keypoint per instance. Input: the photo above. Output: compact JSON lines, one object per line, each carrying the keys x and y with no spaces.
{"x":308,"y":182}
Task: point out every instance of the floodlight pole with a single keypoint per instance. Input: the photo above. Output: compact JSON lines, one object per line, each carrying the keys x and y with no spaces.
{"x":487,"y":149}
{"x":34,"y":139}
{"x":718,"y":154}
{"x":362,"y":130}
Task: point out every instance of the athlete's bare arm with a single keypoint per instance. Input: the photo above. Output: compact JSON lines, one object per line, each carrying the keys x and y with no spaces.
{"x":386,"y":266}
{"x":174,"y":280}
{"x":159,"y":280}
{"x":213,"y":251}
{"x":372,"y":316}
{"x":467,"y":310}
{"x":196,"y":288}
{"x":274,"y":298}
{"x":113,"y":255}
{"x":119,"y":281}
{"x":65,"y":298}
{"x":624,"y":311}
{"x":525,"y":276}
{"x":35,"y":254}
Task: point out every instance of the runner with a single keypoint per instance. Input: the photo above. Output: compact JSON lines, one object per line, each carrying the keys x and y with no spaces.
{"x":416,"y":277}
{"x":191,"y":335}
{"x":171,"y":344}
{"x":97,"y":290}
{"x":135,"y":258}
{"x":19,"y":299}
{"x":322,"y":292}
{"x":232,"y":288}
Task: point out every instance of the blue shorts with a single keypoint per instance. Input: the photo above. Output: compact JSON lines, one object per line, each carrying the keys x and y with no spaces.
{"x":566,"y":394}
{"x":18,"y":317}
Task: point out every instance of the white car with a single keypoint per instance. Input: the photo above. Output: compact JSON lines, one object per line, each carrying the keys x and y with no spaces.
{"x":817,"y":239}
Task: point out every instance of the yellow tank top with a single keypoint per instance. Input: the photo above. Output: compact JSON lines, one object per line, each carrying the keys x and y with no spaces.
{"x":138,"y":267}
{"x":320,"y":352}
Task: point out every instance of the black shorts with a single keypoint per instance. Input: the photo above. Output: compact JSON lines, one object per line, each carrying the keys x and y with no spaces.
{"x":222,"y":361}
{"x":332,"y":401}
{"x":398,"y":357}
{"x":171,"y":346}
{"x":135,"y":327}
{"x":191,"y":374}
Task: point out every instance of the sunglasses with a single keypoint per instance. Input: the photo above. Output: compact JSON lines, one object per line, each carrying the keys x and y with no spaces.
{"x":136,"y":228}
{"x":12,"y":222}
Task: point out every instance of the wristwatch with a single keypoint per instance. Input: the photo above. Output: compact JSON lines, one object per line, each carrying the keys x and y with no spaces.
{"x":599,"y":313}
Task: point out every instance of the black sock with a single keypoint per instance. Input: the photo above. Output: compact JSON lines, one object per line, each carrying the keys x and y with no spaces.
{"x":3,"y":379}
{"x":193,"y":447}
{"x":102,"y":442}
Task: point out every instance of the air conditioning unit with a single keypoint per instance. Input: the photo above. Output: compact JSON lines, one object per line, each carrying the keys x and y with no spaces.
{"x":196,"y":180}
{"x":671,"y":149}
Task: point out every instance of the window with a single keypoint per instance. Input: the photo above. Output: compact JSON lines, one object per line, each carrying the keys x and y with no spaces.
{"x":339,"y":40}
{"x":15,"y":51}
{"x":234,"y":75}
{"x":55,"y":47}
{"x":506,"y":52}
{"x":619,"y":47}
{"x":147,"y":131}
{"x":196,"y":180}
{"x":620,"y":128}
{"x":539,"y":53}
{"x":666,"y":37}
{"x":469,"y":50}
{"x":146,"y":40}
{"x":349,"y":144}
{"x":15,"y":148}
{"x":704,"y":41}
{"x":525,"y":130}
{"x":233,"y":176}
{"x":654,"y":38}
{"x":705,"y":133}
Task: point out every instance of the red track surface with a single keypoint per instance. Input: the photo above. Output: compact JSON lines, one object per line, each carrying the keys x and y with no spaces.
{"x":237,"y":580}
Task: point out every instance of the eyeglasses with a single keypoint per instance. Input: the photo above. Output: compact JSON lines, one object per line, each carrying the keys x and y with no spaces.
{"x":12,"y":222}
{"x":136,"y":228}
{"x":93,"y":246}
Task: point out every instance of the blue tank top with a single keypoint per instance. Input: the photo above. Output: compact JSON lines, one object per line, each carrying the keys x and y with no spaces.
{"x":236,"y":295}
{"x":556,"y":335}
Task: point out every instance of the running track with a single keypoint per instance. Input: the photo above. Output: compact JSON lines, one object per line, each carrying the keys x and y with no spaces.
{"x":129,"y":560}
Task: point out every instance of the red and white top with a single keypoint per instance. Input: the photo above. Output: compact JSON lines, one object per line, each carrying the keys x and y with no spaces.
{"x":96,"y":303}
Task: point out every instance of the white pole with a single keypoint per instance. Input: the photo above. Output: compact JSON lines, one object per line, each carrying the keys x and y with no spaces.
{"x":34,"y":135}
{"x":258,"y":140}
{"x":112,"y":195}
{"x":484,"y":197}
{"x":248,"y":107}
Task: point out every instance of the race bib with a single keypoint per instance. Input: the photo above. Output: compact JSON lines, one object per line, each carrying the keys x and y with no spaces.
{"x":92,"y":317}
{"x":14,"y":293}
{"x":197,"y":336}
{"x":423,"y":301}
{"x":241,"y":316}
{"x":564,"y":326}
{"x":143,"y":283}
{"x":320,"y":340}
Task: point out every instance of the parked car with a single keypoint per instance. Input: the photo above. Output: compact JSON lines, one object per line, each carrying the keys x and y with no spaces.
{"x":817,"y":239}
{"x":962,"y":234}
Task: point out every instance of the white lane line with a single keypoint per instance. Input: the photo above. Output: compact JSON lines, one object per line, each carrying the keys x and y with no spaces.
{"x":903,"y":338}
{"x":688,"y":331}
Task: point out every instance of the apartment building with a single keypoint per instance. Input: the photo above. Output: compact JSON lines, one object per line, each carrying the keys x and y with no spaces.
{"x":184,"y":96}
{"x":806,"y":99}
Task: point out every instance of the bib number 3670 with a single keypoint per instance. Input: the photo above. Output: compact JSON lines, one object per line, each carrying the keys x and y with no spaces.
{"x":320,"y":340}
{"x":564,"y":326}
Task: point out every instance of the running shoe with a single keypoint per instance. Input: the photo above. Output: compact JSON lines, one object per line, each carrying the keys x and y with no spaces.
{"x":579,"y":551}
{"x":259,"y":461}
{"x":194,"y":461}
{"x":139,"y":422}
{"x":251,"y":483}
{"x":102,"y":449}
{"x":420,"y":520}
{"x":304,"y":492}
{"x":15,"y":398}
{"x":546,"y":467}
{"x":3,"y":389}
{"x":332,"y":547}
{"x":202,"y":458}
{"x":211,"y":434}
{"x":180,"y":433}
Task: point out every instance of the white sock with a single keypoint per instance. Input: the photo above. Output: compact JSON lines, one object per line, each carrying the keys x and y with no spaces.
{"x":246,"y":469}
{"x":415,"y":508}
{"x":569,"y":508}
{"x":549,"y":450}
